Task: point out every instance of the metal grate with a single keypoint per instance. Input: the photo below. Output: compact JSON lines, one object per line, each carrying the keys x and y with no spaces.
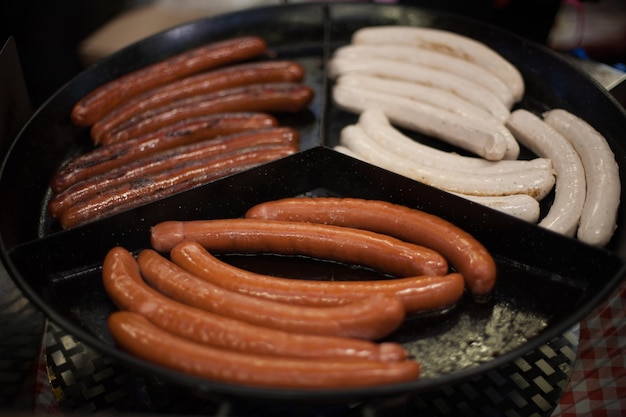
{"x":85,"y":381}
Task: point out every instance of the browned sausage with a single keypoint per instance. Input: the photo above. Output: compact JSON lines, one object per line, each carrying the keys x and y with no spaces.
{"x":101,"y":100}
{"x":266,"y":97}
{"x":135,"y":334}
{"x":383,"y":253}
{"x":462,"y":250}
{"x":123,"y":283}
{"x":367,"y":318}
{"x":164,"y":184}
{"x":203,"y":83}
{"x":167,"y":160}
{"x":418,"y":294}
{"x":105,"y":158}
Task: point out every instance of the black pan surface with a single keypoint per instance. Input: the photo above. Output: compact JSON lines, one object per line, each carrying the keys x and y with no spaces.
{"x":547,"y":283}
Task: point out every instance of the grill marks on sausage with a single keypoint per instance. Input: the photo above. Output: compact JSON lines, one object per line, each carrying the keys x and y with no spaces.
{"x":145,"y":122}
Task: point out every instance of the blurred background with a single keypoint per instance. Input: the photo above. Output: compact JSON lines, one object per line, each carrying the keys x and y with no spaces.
{"x":56,"y":40}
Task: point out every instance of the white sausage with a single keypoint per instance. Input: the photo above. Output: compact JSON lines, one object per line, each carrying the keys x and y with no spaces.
{"x":431,"y":59}
{"x":462,"y":87}
{"x":536,"y":183}
{"x":447,"y":42}
{"x":377,"y":125}
{"x":599,"y":215}
{"x":569,"y":197}
{"x":429,"y":120}
{"x":438,"y":98}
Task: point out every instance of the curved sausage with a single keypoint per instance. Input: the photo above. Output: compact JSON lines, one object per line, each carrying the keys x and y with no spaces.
{"x":266,"y":97}
{"x":536,"y":183}
{"x":466,"y":254}
{"x":352,"y":246}
{"x":156,"y":186}
{"x":377,"y":125}
{"x":207,"y":82}
{"x":463,"y":132}
{"x":433,"y":59}
{"x":123,"y":283}
{"x":167,"y":160}
{"x":599,"y":216}
{"x":135,"y":334}
{"x":367,"y":318}
{"x":101,"y":100}
{"x":418,"y":294}
{"x":569,"y":194}
{"x":450,"y":43}
{"x":398,"y":70}
{"x":105,"y":158}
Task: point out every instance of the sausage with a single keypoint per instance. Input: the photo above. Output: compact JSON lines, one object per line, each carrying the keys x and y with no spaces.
{"x":169,"y":159}
{"x":377,"y":126}
{"x":398,"y":70}
{"x":418,"y":294}
{"x":536,"y":183}
{"x":438,"y":98}
{"x":367,"y":318}
{"x":135,"y":334}
{"x":203,"y":83}
{"x":521,"y":206}
{"x":448,"y":42}
{"x":156,"y":186}
{"x":361,"y":247}
{"x":569,"y":194}
{"x":433,"y":59}
{"x":466,"y":254}
{"x":599,"y":215}
{"x":105,"y":158}
{"x":427,"y":119}
{"x":125,"y":286}
{"x":101,"y":100}
{"x":265,"y":97}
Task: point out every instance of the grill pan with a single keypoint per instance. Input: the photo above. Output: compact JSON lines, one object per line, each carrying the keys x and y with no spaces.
{"x":547,"y":283}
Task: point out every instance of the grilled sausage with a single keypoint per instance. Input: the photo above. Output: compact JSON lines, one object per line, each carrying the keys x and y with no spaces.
{"x":207,"y":82}
{"x":105,"y":158}
{"x":466,"y":254}
{"x":167,"y":160}
{"x":418,"y":294}
{"x":156,"y":186}
{"x":369,"y":318}
{"x":266,"y":97}
{"x":135,"y":334}
{"x":100,"y":101}
{"x":125,"y":286}
{"x":361,"y":247}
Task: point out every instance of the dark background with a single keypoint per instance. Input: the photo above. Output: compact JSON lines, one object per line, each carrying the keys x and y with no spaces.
{"x":47,"y":33}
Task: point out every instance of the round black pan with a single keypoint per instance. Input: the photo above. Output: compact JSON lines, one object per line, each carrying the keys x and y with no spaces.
{"x":547,"y":283}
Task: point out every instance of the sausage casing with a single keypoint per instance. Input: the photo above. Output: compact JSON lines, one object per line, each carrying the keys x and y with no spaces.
{"x":100,"y":101}
{"x":466,"y":254}
{"x":135,"y":334}
{"x":361,"y":247}
{"x":418,"y":294}
{"x":370,"y":318}
{"x":127,"y":289}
